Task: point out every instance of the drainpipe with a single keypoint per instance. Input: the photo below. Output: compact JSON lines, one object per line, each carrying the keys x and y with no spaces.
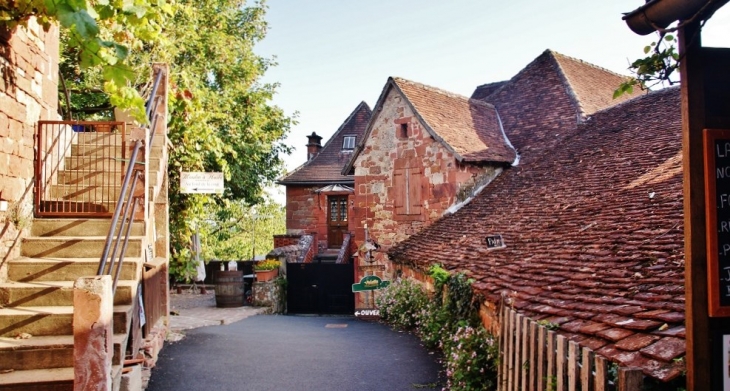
{"x":662,"y":13}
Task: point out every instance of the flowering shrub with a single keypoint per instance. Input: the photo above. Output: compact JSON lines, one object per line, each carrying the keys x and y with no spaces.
{"x":401,"y":303}
{"x":269,"y":264}
{"x":447,"y":320}
{"x":471,"y":356}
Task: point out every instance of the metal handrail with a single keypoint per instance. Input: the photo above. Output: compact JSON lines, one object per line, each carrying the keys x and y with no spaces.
{"x":122,"y":208}
{"x":148,"y":104}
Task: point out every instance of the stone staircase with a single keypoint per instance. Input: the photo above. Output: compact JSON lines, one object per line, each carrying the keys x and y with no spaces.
{"x":36,"y":334}
{"x":36,"y":301}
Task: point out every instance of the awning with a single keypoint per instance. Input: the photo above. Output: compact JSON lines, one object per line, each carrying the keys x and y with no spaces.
{"x":335,"y":189}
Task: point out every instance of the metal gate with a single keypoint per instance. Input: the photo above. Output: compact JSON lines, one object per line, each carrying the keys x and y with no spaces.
{"x":320,"y":288}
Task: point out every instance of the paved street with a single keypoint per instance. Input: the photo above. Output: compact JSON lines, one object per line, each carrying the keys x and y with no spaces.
{"x":283,"y":353}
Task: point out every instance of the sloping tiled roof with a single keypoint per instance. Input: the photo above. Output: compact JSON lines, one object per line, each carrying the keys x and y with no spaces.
{"x":469,"y":127}
{"x":594,"y":236}
{"x":485,"y":90}
{"x":545,"y":101}
{"x":326,"y":167}
{"x":592,"y":85}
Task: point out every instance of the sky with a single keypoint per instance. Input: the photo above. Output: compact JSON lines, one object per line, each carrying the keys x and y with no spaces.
{"x":334,"y":54}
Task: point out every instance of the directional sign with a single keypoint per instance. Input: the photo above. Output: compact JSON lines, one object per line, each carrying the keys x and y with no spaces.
{"x":201,"y":182}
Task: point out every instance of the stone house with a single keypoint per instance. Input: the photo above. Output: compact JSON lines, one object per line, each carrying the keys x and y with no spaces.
{"x":427,"y":151}
{"x":318,"y":197}
{"x":591,"y":218}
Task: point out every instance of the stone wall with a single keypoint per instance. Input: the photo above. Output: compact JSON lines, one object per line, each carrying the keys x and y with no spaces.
{"x":28,"y":93}
{"x":306,"y":213}
{"x":441,"y":179}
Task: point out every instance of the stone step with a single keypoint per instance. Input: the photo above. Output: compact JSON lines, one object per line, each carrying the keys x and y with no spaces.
{"x":74,"y":247}
{"x":103,"y":163}
{"x":47,"y":352}
{"x":45,"y":321}
{"x":55,"y":293}
{"x":91,"y":176}
{"x":95,"y":150}
{"x":78,"y":227}
{"x":85,"y":193}
{"x":55,"y":379}
{"x":64,"y":269}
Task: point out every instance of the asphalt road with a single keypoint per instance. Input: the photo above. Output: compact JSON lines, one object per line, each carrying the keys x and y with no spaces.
{"x":296,"y":353}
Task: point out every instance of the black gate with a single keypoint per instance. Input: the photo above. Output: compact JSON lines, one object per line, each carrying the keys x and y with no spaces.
{"x":320,"y":288}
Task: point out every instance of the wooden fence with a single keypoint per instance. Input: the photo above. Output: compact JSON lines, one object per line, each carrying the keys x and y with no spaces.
{"x":537,"y":359}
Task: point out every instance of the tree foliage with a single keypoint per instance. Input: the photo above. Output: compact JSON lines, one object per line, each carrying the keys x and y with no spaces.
{"x":100,"y":34}
{"x":220,"y":114}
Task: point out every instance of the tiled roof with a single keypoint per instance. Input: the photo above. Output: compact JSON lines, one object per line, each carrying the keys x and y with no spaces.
{"x":544,"y":102}
{"x":485,"y":90}
{"x":326,"y":167}
{"x":594,"y":235}
{"x":593,"y":86}
{"x":469,"y":127}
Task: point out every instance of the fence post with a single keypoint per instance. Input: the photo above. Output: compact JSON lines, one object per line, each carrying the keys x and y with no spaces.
{"x":630,"y":379}
{"x":586,"y":373}
{"x":601,"y":380}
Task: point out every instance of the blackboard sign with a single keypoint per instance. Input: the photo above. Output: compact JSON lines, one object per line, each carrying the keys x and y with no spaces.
{"x":717,"y":209}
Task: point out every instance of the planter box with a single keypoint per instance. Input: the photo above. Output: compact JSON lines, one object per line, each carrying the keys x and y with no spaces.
{"x":266,"y":275}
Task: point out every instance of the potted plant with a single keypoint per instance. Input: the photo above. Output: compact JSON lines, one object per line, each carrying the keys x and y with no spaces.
{"x":266,"y":270}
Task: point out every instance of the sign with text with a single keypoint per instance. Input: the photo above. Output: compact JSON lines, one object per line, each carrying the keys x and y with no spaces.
{"x":494,"y":242}
{"x":717,"y":214}
{"x":201,"y":182}
{"x":369,"y":283}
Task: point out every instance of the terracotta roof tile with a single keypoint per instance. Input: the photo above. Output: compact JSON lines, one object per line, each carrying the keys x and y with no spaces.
{"x":666,"y":349}
{"x":326,"y":167}
{"x":469,"y":126}
{"x":583,"y":234}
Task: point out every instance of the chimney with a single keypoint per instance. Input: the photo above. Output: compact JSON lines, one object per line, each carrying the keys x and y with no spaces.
{"x":313,"y":146}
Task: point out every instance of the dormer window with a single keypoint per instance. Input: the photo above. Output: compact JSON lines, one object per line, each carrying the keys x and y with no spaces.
{"x":348,"y":144}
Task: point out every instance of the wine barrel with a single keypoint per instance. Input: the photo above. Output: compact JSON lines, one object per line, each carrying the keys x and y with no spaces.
{"x":229,"y":289}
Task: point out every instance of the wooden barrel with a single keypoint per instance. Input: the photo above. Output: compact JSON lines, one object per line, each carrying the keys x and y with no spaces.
{"x":229,"y":289}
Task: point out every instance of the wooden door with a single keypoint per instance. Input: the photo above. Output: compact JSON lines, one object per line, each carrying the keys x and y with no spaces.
{"x":336,"y":220}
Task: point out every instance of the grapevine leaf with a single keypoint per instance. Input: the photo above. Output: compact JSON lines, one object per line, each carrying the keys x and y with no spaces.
{"x":83,"y":23}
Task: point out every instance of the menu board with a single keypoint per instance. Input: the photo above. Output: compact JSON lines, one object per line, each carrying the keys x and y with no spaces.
{"x":717,"y":212}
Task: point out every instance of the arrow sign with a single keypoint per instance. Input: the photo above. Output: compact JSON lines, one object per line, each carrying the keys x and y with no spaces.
{"x":201,"y":182}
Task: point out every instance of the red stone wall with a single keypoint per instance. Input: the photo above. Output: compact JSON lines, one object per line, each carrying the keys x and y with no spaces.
{"x":28,"y":93}
{"x":285,"y":240}
{"x":306,"y":212}
{"x":435,"y":177}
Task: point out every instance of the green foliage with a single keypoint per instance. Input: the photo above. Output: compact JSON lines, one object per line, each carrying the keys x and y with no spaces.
{"x":658,"y":66}
{"x":472,"y":356}
{"x":101,"y":35}
{"x":440,"y":276}
{"x":401,"y":303}
{"x":548,"y":325}
{"x":448,"y":320}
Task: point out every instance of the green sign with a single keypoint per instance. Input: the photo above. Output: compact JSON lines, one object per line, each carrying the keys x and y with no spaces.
{"x":369,"y":283}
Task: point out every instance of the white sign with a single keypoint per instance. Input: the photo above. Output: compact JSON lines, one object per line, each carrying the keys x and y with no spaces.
{"x":201,"y":182}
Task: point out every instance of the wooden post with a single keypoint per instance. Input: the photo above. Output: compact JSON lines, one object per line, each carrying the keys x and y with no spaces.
{"x":704,"y":102}
{"x":601,"y":379}
{"x":92,"y":325}
{"x":630,"y":379}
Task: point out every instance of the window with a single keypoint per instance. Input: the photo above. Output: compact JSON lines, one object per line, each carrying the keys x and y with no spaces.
{"x":403,"y":131}
{"x":348,"y":144}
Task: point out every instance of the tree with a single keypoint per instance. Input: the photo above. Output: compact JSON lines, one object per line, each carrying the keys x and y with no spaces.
{"x":100,"y":35}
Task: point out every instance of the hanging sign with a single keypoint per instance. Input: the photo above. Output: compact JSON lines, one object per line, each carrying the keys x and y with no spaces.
{"x":201,"y":182}
{"x":369,"y":283}
{"x":717,"y":215}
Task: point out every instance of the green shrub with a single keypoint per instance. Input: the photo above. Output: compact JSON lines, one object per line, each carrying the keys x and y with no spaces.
{"x":471,"y":356}
{"x":401,"y":303}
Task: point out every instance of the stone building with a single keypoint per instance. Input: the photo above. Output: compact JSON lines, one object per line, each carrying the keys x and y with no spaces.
{"x":318,"y":196}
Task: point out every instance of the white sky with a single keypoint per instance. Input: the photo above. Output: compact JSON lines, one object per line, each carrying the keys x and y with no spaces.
{"x":333,"y":54}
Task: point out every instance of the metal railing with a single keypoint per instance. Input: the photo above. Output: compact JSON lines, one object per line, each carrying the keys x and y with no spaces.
{"x":119,"y":231}
{"x":78,"y":167}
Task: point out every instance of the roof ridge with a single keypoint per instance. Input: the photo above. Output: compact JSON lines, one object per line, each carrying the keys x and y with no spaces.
{"x":583,"y":62}
{"x":441,"y":91}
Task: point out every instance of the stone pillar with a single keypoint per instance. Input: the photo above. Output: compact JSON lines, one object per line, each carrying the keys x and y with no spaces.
{"x":92,"y":325}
